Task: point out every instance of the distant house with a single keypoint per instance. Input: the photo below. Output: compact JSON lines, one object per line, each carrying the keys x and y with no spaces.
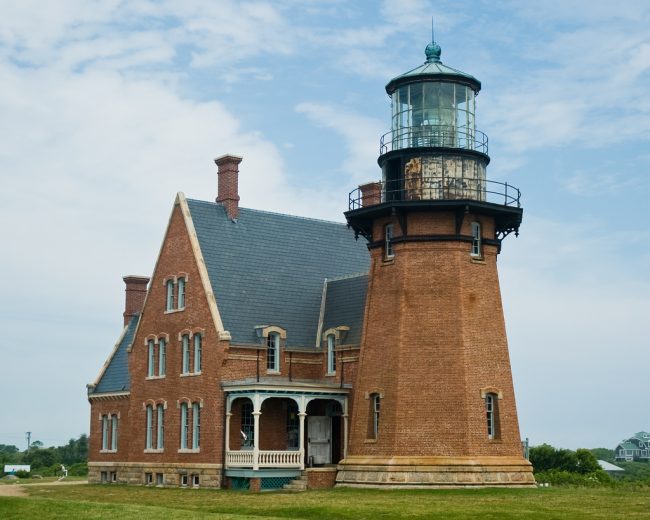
{"x":610,"y":468}
{"x":13,"y":468}
{"x":636,"y":447}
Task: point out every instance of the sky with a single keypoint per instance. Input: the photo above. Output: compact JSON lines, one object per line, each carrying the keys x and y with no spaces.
{"x":109,"y":108}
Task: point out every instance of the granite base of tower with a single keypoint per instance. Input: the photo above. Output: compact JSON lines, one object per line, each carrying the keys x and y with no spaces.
{"x":435,"y":472}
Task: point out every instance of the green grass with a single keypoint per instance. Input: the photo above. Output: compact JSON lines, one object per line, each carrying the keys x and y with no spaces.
{"x":32,"y":480}
{"x":96,"y":501}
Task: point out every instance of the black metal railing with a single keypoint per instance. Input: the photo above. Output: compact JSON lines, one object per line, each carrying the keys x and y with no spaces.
{"x":444,"y":187}
{"x":439,"y":136}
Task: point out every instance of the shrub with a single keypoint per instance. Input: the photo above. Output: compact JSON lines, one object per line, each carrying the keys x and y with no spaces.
{"x":22,"y":474}
{"x":78,"y":470}
{"x":562,"y":477}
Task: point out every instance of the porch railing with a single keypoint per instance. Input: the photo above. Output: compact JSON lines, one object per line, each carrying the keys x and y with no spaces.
{"x":265,"y":459}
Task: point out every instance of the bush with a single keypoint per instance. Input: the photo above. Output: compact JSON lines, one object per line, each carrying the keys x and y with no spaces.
{"x":562,"y":477}
{"x":22,"y":474}
{"x":78,"y":470}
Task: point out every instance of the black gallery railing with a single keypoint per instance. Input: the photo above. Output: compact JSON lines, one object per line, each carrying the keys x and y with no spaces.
{"x":445,"y":187}
{"x":439,"y":136}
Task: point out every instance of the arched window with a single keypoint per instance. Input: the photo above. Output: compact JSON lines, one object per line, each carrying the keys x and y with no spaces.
{"x":476,"y":240}
{"x":160,"y":431}
{"x":184,"y":426}
{"x":375,"y":409}
{"x":151,"y":355}
{"x":331,"y":354}
{"x":170,"y":295}
{"x":388,"y":242}
{"x":149,"y":431}
{"x":492,"y":415}
{"x":197,"y":352}
{"x":273,"y":352}
{"x":196,"y":426}
{"x":114,"y":432}
{"x":247,"y":425}
{"x":104,"y":432}
{"x":185,"y":369}
{"x":181,"y":293}
{"x":162,"y":356}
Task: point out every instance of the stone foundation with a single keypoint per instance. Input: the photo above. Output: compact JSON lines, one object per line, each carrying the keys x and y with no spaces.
{"x":135,"y":473}
{"x":434,"y":472}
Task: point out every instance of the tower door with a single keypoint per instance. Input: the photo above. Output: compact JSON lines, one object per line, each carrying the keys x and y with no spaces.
{"x":319,"y":432}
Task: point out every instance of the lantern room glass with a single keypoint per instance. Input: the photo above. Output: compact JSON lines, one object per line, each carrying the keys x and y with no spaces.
{"x":433,"y":113}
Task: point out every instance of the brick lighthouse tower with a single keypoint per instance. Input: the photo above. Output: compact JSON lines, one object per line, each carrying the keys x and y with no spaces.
{"x":433,"y":399}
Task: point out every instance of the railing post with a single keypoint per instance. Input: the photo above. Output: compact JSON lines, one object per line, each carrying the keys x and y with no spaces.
{"x":506,"y":194}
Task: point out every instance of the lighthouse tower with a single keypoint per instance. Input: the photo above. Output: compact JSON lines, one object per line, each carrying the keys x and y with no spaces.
{"x":433,"y":401}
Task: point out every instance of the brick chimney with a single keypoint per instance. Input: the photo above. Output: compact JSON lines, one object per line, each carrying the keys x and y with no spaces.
{"x":370,"y":194}
{"x":228,"y":189}
{"x":136,"y":290}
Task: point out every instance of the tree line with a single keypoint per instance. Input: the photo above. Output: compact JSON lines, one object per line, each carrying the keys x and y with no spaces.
{"x":48,"y":461}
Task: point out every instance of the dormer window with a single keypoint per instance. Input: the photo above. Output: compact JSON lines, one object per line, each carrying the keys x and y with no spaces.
{"x":331,"y":354}
{"x":273,"y":352}
{"x":272,"y":337}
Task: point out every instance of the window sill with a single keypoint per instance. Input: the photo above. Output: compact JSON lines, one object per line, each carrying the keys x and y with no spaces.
{"x":151,"y":378}
{"x":388,"y":261}
{"x":477,"y":259}
{"x":154,"y":450}
{"x":370,"y":441}
{"x":190,"y":374}
{"x":107,"y":451}
{"x":172,"y":311}
{"x":189,"y":450}
{"x":330,"y":374}
{"x":273,"y":372}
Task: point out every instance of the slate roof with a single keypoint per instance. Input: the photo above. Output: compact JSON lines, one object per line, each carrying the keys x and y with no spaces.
{"x":116,"y":376}
{"x":345,"y":302}
{"x":269,"y":268}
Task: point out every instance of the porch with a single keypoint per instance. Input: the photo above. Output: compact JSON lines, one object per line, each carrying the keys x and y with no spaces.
{"x":280,"y":427}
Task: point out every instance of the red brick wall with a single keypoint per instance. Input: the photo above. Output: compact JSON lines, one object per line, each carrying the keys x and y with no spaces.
{"x":434,"y":336}
{"x":176,"y":258}
{"x":99,"y":408}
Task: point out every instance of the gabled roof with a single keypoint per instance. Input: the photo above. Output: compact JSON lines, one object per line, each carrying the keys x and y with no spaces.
{"x":268,"y":268}
{"x":115,"y":377}
{"x":345,"y":302}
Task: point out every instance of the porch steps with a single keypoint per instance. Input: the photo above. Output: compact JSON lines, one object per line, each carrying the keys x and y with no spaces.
{"x":298,"y":484}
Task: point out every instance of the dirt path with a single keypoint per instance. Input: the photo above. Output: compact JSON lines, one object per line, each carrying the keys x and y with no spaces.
{"x":18,"y":490}
{"x":12,"y":490}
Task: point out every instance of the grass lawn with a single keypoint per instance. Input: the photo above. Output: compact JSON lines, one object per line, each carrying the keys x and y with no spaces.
{"x":124,"y":502}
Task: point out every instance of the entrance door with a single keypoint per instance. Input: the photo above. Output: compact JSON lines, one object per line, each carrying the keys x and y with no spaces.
{"x":319,"y":432}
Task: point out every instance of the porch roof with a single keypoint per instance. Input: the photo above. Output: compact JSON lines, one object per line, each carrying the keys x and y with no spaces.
{"x":281,"y":385}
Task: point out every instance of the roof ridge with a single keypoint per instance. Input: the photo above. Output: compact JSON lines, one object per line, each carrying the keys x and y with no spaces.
{"x":277,"y":213}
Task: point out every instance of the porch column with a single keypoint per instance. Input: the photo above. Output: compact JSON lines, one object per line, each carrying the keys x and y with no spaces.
{"x":302,"y":413}
{"x":257,"y":407}
{"x":301,"y":419}
{"x":227,"y":436}
{"x":345,"y":428}
{"x":345,"y":436}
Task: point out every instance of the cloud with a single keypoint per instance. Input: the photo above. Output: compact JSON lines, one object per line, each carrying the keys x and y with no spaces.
{"x":359,"y":132}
